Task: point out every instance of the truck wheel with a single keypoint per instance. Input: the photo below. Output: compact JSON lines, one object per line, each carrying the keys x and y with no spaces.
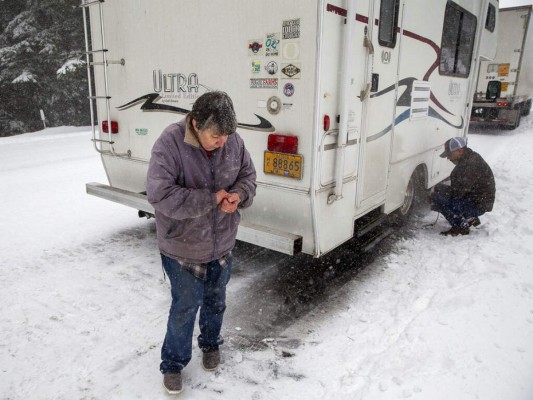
{"x":516,"y":123}
{"x":526,"y":108}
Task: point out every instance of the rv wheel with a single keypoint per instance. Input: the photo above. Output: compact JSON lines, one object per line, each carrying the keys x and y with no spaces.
{"x":408,"y":200}
{"x":413,"y":197}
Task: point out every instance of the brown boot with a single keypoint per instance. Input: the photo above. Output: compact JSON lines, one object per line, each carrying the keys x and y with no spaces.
{"x":172,"y":382}
{"x":210,"y":360}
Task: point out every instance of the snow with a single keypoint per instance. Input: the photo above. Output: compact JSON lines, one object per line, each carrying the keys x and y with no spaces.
{"x":70,"y":66}
{"x":84,"y":305}
{"x":25,"y":76}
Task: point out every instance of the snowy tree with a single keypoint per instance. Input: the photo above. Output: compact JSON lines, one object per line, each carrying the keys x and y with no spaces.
{"x":41,"y":64}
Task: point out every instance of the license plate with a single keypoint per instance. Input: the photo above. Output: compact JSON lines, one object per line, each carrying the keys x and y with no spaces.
{"x":289,"y":165}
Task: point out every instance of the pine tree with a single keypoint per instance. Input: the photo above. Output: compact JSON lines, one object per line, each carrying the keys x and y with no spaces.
{"x":41,"y":65}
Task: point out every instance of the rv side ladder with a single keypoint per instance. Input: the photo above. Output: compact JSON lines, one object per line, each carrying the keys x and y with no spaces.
{"x":90,"y":54}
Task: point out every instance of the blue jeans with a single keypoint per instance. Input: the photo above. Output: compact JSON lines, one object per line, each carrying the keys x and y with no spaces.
{"x":188,"y":294}
{"x":456,"y":211}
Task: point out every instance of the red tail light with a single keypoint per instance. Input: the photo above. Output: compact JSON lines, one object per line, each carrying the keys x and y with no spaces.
{"x":114,"y":127}
{"x":283,"y":143}
{"x":327,"y":122}
{"x":502,"y":104}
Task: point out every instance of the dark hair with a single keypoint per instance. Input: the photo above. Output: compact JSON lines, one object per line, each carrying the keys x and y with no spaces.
{"x":214,"y":110}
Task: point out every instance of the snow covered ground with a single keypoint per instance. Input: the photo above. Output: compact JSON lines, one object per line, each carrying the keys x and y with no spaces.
{"x":83,"y":304}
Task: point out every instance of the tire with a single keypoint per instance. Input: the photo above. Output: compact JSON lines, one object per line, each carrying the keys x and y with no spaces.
{"x":414,"y":199}
{"x":526,"y":108}
{"x":516,"y":123}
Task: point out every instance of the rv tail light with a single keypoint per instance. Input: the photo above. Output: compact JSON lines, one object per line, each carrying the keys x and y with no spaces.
{"x":114,"y":126}
{"x":283,"y":143}
{"x":502,"y":104}
{"x":327,"y":122}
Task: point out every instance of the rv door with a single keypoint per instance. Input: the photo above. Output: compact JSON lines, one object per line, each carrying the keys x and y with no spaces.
{"x":379,"y":106}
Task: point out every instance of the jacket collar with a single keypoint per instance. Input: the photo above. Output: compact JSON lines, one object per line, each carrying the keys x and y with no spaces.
{"x":190,"y":137}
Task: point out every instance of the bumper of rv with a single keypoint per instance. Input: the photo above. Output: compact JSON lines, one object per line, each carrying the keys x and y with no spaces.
{"x":283,"y":242}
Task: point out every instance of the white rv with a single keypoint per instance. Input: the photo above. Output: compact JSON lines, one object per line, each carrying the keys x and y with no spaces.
{"x":343,"y":105}
{"x":505,"y":84}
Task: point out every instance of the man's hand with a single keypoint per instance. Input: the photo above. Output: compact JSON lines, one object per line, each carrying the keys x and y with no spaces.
{"x":230,"y":202}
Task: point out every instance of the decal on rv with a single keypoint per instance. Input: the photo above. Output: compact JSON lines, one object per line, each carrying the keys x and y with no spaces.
{"x":291,"y":71}
{"x":288,"y":89}
{"x":272,"y":67}
{"x":149,"y":105}
{"x":405,"y":101}
{"x":264,"y":83}
{"x":405,"y":98}
{"x":272,"y":44}
{"x":256,"y":66}
{"x":255,"y":48}
{"x":291,"y":29}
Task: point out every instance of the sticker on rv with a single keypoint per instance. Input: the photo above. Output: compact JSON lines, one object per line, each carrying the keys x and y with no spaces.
{"x":141,"y":131}
{"x":291,"y":29}
{"x":272,"y":44}
{"x":503,"y":69}
{"x":256,"y":66}
{"x":255,"y":47}
{"x":287,"y":106}
{"x":291,"y":50}
{"x":272,"y":68}
{"x":288,"y":89}
{"x":290,"y":71}
{"x":263,"y":83}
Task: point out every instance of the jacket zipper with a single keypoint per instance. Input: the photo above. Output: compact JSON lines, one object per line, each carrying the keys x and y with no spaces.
{"x":214,"y":212}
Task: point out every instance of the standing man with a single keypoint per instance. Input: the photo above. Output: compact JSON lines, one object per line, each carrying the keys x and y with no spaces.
{"x":200,"y":173}
{"x":471,"y":191}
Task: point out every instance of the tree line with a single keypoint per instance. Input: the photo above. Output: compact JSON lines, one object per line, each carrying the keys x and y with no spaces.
{"x":42,"y":65}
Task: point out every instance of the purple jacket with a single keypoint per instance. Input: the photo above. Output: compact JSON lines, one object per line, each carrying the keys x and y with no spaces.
{"x":181,"y":186}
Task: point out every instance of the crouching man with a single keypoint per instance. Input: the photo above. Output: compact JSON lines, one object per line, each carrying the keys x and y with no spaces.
{"x":470,"y":192}
{"x":200,"y":174}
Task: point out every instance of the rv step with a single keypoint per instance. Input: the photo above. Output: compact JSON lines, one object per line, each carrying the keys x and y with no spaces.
{"x":369,"y":222}
{"x":99,"y":97}
{"x":263,"y":236}
{"x":373,"y":238}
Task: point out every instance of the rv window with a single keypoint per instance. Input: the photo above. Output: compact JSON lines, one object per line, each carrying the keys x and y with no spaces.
{"x":388,"y":22}
{"x":458,"y":38}
{"x":490,"y":23}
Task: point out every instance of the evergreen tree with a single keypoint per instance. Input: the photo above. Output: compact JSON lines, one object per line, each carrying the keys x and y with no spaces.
{"x":41,"y":65}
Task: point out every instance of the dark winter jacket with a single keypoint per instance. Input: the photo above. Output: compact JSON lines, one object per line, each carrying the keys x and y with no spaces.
{"x":472,"y":180}
{"x":181,"y":186}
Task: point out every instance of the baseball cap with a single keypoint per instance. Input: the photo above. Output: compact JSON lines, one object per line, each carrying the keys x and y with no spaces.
{"x":453,"y":144}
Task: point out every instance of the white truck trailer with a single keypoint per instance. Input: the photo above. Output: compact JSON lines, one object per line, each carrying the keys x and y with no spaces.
{"x":343,"y":105}
{"x":505,"y":84}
